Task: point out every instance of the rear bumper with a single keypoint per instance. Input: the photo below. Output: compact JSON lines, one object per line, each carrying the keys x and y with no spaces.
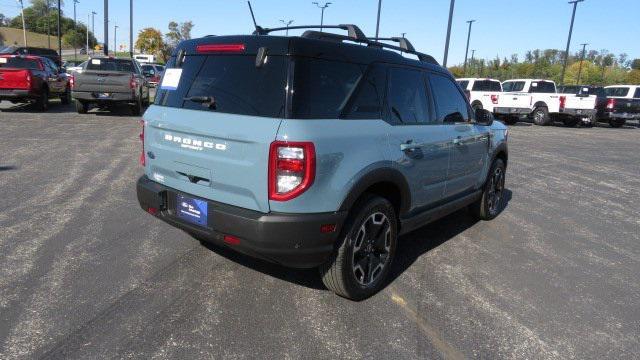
{"x":511,"y":111}
{"x":17,"y":94}
{"x":292,"y":240}
{"x":620,"y":116}
{"x":579,"y":112}
{"x":93,"y":97}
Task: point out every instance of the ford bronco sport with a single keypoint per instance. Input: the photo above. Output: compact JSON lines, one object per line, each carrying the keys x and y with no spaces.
{"x":316,"y":150}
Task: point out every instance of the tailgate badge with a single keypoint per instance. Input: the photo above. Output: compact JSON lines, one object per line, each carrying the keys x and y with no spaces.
{"x":194,"y":144}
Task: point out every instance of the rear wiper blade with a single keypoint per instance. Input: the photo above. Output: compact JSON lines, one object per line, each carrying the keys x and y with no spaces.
{"x":208,"y":101}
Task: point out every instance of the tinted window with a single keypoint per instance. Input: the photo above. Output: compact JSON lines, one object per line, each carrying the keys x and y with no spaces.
{"x":463,"y":84}
{"x":234,"y":82}
{"x":617,"y":91}
{"x":451,"y":105}
{"x":637,"y":93}
{"x":321,"y":88}
{"x":407,"y":97}
{"x":19,"y":63}
{"x":486,"y":85}
{"x":367,"y":100}
{"x":512,"y":86}
{"x":569,"y":90}
{"x":149,"y":68}
{"x":543,"y":87}
{"x":110,"y":65}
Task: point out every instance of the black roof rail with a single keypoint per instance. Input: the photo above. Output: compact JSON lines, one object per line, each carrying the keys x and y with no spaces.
{"x":353,"y":31}
{"x":405,"y":45}
{"x":402,"y":42}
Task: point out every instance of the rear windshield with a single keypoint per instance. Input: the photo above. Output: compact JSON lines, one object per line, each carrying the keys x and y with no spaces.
{"x":110,"y":65}
{"x":19,"y":63}
{"x":543,"y":87}
{"x":234,"y":82}
{"x":512,"y":86}
{"x":463,"y":84}
{"x":486,"y":85}
{"x":637,"y":93}
{"x":617,"y":91}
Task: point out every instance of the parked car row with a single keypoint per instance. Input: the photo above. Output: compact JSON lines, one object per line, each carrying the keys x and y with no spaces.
{"x":540,"y":101}
{"x":100,"y":81}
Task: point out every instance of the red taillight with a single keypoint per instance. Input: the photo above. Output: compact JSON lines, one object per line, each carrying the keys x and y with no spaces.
{"x":231,"y":240}
{"x":143,"y":158}
{"x":220,"y":48}
{"x":133,"y":83}
{"x":563,"y":102}
{"x":292,"y":169}
{"x":155,"y":79}
{"x":494,"y":99}
{"x":72,"y":81}
{"x":29,"y":80}
{"x":611,"y":103}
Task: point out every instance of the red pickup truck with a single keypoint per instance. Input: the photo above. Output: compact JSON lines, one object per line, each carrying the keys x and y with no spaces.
{"x":32,"y":79}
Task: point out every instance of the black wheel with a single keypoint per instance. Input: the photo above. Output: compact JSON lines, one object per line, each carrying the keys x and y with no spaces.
{"x":42,"y":103}
{"x":81,"y":107}
{"x":541,"y":116}
{"x":571,"y":122}
{"x":492,"y":200}
{"x":136,"y":109}
{"x":65,"y":98}
{"x":617,"y":123}
{"x":359,"y":266}
{"x":476,"y":105}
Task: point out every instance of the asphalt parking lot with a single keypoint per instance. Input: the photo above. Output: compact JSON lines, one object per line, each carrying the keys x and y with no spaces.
{"x":85,"y":273}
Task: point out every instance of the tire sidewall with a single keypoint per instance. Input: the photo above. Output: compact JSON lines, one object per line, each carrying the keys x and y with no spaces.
{"x":545,"y":116}
{"x":375,"y":204}
{"x":485,"y":211}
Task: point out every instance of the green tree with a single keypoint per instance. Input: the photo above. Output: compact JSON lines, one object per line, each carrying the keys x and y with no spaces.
{"x":178,"y":32}
{"x":150,"y":42}
{"x":635,"y":64}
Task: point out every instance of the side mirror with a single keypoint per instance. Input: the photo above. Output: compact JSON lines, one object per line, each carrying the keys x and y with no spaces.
{"x":484,"y":117}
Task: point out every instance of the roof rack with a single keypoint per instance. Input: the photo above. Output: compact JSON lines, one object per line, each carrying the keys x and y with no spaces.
{"x":353,"y":34}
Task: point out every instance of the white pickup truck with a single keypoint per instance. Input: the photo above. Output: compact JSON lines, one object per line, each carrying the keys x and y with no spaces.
{"x":484,"y":93}
{"x":538,"y":99}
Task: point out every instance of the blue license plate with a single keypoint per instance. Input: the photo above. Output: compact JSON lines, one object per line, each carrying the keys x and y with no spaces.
{"x":192,"y":210}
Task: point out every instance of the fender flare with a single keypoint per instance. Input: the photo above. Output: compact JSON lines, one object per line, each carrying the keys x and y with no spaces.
{"x":540,"y":104}
{"x":379,"y":175}
{"x":502,"y":148}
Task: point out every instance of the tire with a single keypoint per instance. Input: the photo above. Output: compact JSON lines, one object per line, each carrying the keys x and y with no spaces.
{"x":541,"y":116}
{"x":42,"y":103}
{"x":492,"y":200}
{"x":65,"y":98}
{"x":617,"y":123}
{"x":81,"y":107}
{"x":136,"y":109}
{"x":348,"y":272}
{"x":476,"y":105}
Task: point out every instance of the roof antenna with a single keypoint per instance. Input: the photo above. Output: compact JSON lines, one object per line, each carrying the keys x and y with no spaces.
{"x":258,"y":28}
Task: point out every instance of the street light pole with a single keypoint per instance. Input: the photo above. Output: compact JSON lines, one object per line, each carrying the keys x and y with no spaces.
{"x":322,"y":7}
{"x":106,"y":28}
{"x":566,"y":52}
{"x":584,"y":49}
{"x":131,"y":28}
{"x":473,"y":52}
{"x":446,"y":44}
{"x":75,"y":30}
{"x":466,"y":52}
{"x":48,"y":24}
{"x":378,"y":21}
{"x":24,"y":26}
{"x":93,"y":26}
{"x":88,"y":19}
{"x":115,"y":40}
{"x":287,"y":23}
{"x":59,"y":29}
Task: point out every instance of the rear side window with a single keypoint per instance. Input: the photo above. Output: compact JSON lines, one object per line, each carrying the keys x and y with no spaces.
{"x":366,"y":102}
{"x":451,"y":105}
{"x":617,"y":91}
{"x":463,"y":84}
{"x":407,"y":97}
{"x":486,"y":85}
{"x":19,"y":63}
{"x":569,"y":90}
{"x":508,"y":86}
{"x":234,"y":82}
{"x":321,"y":87}
{"x":110,"y":65}
{"x":637,"y":93}
{"x":543,"y":87}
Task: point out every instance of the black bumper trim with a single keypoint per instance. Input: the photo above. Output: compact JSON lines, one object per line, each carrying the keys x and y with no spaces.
{"x":292,"y":240}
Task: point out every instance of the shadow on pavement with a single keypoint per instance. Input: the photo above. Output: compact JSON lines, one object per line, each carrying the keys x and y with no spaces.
{"x":410,"y":247}
{"x":7,"y":167}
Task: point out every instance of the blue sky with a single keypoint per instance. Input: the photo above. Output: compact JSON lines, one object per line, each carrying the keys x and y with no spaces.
{"x":503,"y":27}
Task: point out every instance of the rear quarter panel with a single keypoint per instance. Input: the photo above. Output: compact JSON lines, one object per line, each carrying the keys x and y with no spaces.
{"x":346,"y":150}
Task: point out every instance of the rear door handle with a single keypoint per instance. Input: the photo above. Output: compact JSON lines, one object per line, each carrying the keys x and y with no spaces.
{"x":409,"y":145}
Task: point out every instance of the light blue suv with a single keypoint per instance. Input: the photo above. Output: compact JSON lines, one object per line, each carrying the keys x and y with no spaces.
{"x":316,"y":150}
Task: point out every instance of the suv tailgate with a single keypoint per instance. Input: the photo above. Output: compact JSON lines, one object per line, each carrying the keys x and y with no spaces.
{"x":103,"y":81}
{"x":217,"y":156}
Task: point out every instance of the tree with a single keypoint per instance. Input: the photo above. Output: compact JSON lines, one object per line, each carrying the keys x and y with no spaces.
{"x":4,"y":21}
{"x":178,"y":32}
{"x":635,"y":64}
{"x":75,"y":38}
{"x":150,"y":42}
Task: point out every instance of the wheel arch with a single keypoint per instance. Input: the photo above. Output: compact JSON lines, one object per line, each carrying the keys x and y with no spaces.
{"x":540,"y":104}
{"x":386,"y":182}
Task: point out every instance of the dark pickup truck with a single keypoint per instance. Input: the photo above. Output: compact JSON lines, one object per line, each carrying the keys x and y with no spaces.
{"x":32,"y":79}
{"x":107,"y":82}
{"x":623,"y":104}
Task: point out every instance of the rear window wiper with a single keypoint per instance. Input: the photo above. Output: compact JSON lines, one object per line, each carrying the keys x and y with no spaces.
{"x":207,"y":101}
